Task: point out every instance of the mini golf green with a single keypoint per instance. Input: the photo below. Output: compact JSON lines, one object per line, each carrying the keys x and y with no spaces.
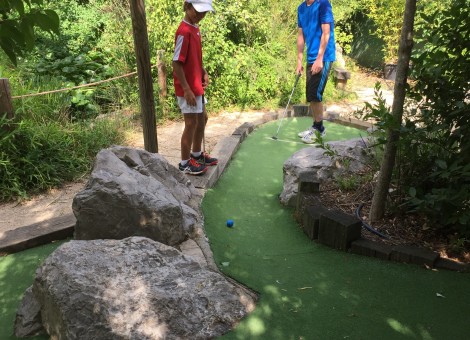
{"x":309,"y":291}
{"x":17,"y":274}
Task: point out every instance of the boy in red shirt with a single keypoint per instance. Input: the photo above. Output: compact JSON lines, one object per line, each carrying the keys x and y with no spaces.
{"x":190,"y":79}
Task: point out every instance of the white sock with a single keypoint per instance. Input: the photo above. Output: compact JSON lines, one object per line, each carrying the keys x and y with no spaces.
{"x":184,"y":162}
{"x":196,"y":154}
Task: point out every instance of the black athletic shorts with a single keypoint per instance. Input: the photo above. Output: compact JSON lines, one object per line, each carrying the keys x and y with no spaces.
{"x":316,"y":82}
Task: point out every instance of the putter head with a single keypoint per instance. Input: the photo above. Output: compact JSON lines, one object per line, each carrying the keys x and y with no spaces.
{"x":274,"y":137}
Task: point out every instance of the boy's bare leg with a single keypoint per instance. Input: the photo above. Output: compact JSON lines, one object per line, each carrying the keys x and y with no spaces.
{"x":190,"y":123}
{"x":199,"y":131}
{"x":317,"y":111}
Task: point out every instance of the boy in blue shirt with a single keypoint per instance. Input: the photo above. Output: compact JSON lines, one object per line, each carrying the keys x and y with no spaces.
{"x":316,"y":31}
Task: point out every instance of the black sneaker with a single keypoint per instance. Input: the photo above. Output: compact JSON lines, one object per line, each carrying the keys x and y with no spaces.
{"x":192,"y":167}
{"x":205,"y":159}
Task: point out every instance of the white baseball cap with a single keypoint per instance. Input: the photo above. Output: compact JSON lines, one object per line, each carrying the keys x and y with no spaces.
{"x":201,"y":5}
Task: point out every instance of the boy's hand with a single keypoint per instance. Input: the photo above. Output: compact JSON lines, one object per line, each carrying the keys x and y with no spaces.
{"x":190,"y":97}
{"x":317,"y":66}
{"x":205,"y":80}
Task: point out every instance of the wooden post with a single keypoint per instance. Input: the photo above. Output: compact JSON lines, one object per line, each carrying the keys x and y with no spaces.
{"x":147,"y":101}
{"x":162,"y":90}
{"x":5,"y":99}
{"x":161,"y":74}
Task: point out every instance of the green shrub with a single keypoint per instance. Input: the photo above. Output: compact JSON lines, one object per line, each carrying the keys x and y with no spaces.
{"x":432,"y":171}
{"x":38,"y":157}
{"x":250,"y":54}
{"x":441,"y":122}
{"x":88,"y":49}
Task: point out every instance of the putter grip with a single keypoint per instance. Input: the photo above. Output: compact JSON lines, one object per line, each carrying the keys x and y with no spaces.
{"x":297,"y":79}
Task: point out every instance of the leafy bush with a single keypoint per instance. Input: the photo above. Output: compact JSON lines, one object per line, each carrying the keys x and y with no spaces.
{"x":19,"y":18}
{"x":344,"y":12}
{"x":80,"y":54}
{"x":37,"y":157}
{"x":250,"y":54}
{"x":388,"y":19}
{"x":442,"y":190}
{"x":432,"y":172}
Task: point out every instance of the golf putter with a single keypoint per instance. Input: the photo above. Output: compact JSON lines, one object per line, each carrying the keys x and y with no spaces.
{"x":288,"y":102}
{"x":204,"y":145}
{"x":204,"y":131}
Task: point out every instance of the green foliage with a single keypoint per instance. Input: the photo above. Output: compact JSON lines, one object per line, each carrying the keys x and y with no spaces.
{"x":39,"y":109}
{"x":82,"y":53}
{"x":442,"y":189}
{"x":249,"y":52}
{"x":388,"y":19}
{"x":37,"y":157}
{"x":344,"y":12}
{"x":246,"y":65}
{"x":432,"y":172}
{"x":17,"y":25}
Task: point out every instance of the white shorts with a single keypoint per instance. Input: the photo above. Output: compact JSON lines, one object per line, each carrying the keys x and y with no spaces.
{"x":185,"y":108}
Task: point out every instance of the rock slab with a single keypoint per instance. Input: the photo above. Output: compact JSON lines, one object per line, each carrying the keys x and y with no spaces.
{"x":134,"y":288}
{"x":314,"y":163}
{"x":132,"y":192}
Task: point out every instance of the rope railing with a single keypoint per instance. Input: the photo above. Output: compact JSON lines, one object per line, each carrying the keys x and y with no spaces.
{"x":78,"y":86}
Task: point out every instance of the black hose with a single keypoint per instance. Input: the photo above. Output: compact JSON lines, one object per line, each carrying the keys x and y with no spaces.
{"x":368,"y":227}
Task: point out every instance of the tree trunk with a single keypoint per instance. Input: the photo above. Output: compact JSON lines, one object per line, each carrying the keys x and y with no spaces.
{"x":6,"y":107}
{"x":379,"y":199}
{"x":162,"y":89}
{"x":161,"y":74}
{"x":147,"y":100}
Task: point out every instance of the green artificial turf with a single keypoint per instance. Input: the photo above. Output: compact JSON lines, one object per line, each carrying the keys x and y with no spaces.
{"x":17,"y":274}
{"x":309,"y":291}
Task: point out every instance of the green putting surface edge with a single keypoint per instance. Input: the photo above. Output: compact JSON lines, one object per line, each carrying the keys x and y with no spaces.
{"x":309,"y":291}
{"x":16,"y":274}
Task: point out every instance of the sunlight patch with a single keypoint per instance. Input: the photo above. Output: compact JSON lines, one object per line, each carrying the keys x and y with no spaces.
{"x":256,"y":326}
{"x":400,"y":328}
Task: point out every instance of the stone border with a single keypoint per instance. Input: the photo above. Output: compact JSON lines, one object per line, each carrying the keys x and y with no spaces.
{"x":225,"y":149}
{"x":342,"y":231}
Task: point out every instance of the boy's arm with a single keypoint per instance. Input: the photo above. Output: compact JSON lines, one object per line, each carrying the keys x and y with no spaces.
{"x":325,"y":36}
{"x":300,"y":50}
{"x":205,"y":78}
{"x":188,"y":93}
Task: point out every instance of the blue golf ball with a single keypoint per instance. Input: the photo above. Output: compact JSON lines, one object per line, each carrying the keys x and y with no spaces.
{"x":230,"y":223}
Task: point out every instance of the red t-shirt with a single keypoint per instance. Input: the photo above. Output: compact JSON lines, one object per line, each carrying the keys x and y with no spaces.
{"x":188,"y":50}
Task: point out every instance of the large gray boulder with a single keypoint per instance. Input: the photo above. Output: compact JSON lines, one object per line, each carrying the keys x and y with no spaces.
{"x":313,"y":163}
{"x":132,"y":192}
{"x":134,"y":288}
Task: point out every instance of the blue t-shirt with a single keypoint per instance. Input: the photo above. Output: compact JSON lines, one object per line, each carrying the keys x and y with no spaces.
{"x":310,"y":18}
